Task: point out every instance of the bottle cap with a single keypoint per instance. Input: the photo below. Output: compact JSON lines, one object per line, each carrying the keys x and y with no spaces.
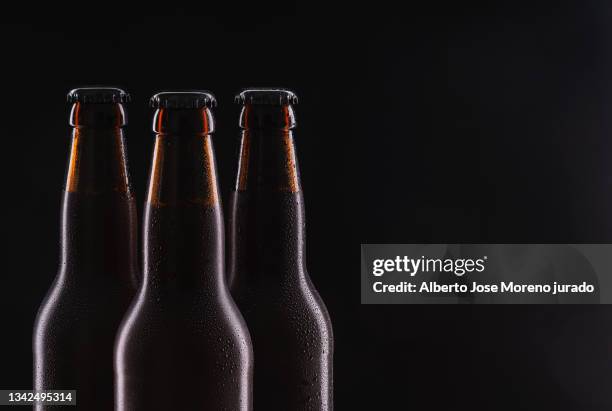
{"x":98,"y":95}
{"x":183,"y":100}
{"x":266,"y":96}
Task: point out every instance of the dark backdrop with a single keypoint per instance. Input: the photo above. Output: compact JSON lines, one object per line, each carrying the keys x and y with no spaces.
{"x":464,"y":123}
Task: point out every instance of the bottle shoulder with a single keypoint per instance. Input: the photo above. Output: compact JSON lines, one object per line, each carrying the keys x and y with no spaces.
{"x":153,"y":326}
{"x":198,"y":311}
{"x":91,"y":286}
{"x":291,"y":303}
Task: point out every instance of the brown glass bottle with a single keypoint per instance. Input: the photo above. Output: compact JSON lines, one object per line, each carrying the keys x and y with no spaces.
{"x":289,"y":324}
{"x":77,"y":323}
{"x":183,"y":345}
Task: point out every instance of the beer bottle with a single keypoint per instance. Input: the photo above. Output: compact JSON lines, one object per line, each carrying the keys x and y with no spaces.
{"x":183,"y":344}
{"x":289,"y":324}
{"x":77,"y":323}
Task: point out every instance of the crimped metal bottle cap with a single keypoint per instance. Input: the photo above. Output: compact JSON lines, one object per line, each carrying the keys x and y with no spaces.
{"x":98,"y":95}
{"x":183,"y":100}
{"x":266,"y":96}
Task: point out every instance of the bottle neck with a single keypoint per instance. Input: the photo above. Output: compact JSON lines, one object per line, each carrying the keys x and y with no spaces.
{"x":183,"y":228}
{"x":98,"y":213}
{"x":183,"y":171}
{"x":268,"y":162}
{"x":267,"y":224}
{"x":97,"y":163}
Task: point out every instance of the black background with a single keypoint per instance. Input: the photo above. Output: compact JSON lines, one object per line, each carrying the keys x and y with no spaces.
{"x":464,"y":123}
